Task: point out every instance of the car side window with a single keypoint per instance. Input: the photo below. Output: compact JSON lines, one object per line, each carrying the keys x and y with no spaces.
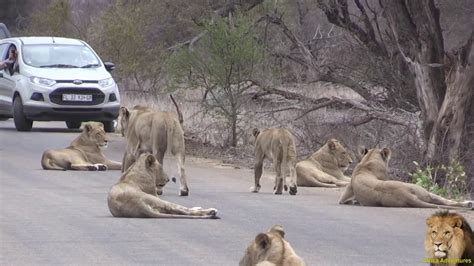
{"x":4,"y":51}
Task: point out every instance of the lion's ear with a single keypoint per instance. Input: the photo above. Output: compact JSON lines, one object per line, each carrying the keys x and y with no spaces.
{"x":430,"y":221}
{"x":278,"y":229}
{"x":362,"y":150}
{"x":457,"y":222}
{"x":87,"y":127}
{"x":262,"y":240}
{"x":255,"y":132}
{"x":331,"y":144}
{"x":386,"y":154}
{"x":150,"y":159}
{"x":124,"y":112}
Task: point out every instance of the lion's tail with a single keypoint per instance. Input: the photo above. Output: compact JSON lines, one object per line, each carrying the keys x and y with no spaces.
{"x":180,"y":115}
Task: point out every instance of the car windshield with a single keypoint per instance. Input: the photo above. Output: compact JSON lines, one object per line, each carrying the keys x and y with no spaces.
{"x":59,"y":56}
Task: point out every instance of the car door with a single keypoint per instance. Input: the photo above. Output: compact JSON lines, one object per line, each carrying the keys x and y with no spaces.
{"x":7,"y":83}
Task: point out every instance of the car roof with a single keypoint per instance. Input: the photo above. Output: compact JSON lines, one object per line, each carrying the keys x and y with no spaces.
{"x":46,"y":40}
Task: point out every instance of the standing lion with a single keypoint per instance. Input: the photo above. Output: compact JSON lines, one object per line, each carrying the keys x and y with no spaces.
{"x":271,"y":248}
{"x":370,"y":186}
{"x":135,"y":195}
{"x":449,"y":239}
{"x":84,"y":153}
{"x":325,"y":167}
{"x":155,"y":132}
{"x":276,"y":144}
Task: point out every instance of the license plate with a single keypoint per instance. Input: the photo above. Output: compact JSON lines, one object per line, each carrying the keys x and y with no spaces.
{"x":77,"y":97}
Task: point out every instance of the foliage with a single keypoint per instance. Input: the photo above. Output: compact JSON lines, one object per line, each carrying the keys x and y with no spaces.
{"x":222,"y":64}
{"x":55,"y":20}
{"x":124,"y":41}
{"x":454,"y":184}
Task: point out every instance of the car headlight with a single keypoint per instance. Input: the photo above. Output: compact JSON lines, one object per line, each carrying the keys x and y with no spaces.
{"x":106,"y":82}
{"x":43,"y":81}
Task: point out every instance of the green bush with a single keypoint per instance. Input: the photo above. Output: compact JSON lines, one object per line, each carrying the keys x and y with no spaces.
{"x":447,"y":181}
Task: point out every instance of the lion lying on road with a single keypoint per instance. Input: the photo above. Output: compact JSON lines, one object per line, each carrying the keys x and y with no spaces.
{"x":325,"y":167}
{"x":146,"y":130}
{"x":135,"y":195}
{"x":271,"y":249}
{"x":84,"y":153}
{"x":450,"y":237}
{"x":276,"y":144}
{"x":370,"y":186}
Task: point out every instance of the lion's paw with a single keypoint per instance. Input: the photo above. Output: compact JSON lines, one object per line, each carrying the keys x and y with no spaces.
{"x":293,"y":190}
{"x":184,"y":192}
{"x":92,"y":167}
{"x":211,"y":212}
{"x":285,"y":187}
{"x":255,"y":189}
{"x":101,"y":167}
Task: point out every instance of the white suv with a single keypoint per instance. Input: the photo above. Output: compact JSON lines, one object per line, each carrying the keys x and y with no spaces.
{"x":56,"y":79}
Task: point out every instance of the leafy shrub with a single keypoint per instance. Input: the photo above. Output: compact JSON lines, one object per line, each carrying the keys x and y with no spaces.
{"x":448,"y":181}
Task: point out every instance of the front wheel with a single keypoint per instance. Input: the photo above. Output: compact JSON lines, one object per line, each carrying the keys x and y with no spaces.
{"x":109,"y":126}
{"x":19,"y":118}
{"x":73,"y":124}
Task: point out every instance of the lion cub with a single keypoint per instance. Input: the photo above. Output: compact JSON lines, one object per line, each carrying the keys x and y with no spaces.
{"x":271,"y":249}
{"x":135,"y":195}
{"x":84,"y":153}
{"x":276,"y":144}
{"x":449,"y":239}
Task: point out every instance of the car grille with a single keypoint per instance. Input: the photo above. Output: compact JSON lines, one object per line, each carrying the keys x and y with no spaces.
{"x":57,"y":96}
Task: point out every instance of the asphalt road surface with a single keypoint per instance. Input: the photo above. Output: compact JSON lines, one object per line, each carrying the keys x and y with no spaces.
{"x":61,"y":217}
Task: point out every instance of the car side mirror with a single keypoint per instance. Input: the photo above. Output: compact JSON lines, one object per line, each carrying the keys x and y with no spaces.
{"x":109,"y":66}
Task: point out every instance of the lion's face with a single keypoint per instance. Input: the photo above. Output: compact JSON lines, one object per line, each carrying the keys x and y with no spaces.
{"x":340,"y":154}
{"x":151,"y":170}
{"x":95,"y":134}
{"x":263,"y":245}
{"x":444,"y":235}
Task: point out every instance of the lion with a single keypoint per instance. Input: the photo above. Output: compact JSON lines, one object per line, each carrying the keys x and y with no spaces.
{"x":156,"y":132}
{"x":325,"y":167}
{"x":449,"y":237}
{"x":84,"y":153}
{"x":271,"y":249}
{"x":276,"y":144}
{"x":135,"y":194}
{"x":370,"y":186}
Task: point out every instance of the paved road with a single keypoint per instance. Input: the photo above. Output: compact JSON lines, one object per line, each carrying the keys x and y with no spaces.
{"x":56,"y":217}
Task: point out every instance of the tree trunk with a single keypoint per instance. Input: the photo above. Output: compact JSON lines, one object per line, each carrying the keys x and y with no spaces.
{"x":415,"y":25}
{"x":445,"y":139}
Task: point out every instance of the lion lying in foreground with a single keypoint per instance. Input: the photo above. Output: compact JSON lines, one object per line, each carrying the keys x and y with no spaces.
{"x":325,"y":167}
{"x":276,"y":144}
{"x":271,"y":249}
{"x":135,"y":195}
{"x":146,"y":130}
{"x":370,"y":186}
{"x":84,"y":153}
{"x":449,"y":239}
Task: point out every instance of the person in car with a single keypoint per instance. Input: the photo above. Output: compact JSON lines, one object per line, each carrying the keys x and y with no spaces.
{"x":10,"y":60}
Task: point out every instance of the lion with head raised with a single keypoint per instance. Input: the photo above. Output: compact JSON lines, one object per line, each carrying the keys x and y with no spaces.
{"x":271,"y":248}
{"x":135,"y":194}
{"x":449,"y":237}
{"x":371,"y":186}
{"x":156,"y":132}
{"x":84,"y":153}
{"x":325,"y":167}
{"x":278,"y":145}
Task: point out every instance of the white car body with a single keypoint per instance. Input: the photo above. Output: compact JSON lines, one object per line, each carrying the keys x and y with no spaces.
{"x":57,"y":92}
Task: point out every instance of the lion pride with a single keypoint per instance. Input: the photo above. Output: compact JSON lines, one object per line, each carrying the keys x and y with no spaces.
{"x":449,"y":237}
{"x":84,"y":153}
{"x":370,"y":186}
{"x":278,"y":145}
{"x":271,"y":248}
{"x":325,"y":167}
